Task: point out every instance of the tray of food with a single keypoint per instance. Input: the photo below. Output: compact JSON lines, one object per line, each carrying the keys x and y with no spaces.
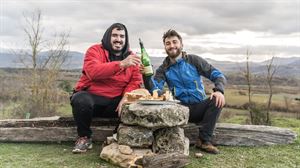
{"x":142,"y":96}
{"x":156,"y":102}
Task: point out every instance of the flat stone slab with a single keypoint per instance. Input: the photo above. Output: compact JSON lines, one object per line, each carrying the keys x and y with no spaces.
{"x":252,"y":135}
{"x":57,"y":130}
{"x":155,"y":116}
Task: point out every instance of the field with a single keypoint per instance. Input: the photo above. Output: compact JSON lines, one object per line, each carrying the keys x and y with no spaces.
{"x":52,"y":155}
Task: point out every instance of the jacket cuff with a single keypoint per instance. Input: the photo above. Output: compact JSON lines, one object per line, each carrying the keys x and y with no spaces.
{"x":218,"y":90}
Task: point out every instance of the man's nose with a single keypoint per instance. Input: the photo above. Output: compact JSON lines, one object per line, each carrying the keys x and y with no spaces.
{"x":119,"y":38}
{"x":172,"y":45}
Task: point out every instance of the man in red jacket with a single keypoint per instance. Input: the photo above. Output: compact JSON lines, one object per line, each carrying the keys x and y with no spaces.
{"x":110,"y":70}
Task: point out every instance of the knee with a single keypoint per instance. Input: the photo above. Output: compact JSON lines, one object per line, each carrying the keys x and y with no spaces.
{"x":212,"y":103}
{"x":81,"y":98}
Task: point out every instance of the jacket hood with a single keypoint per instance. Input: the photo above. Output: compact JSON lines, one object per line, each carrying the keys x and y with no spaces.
{"x":107,"y":45}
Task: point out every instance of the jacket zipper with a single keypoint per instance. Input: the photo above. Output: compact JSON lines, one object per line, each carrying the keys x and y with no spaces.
{"x":199,"y":89}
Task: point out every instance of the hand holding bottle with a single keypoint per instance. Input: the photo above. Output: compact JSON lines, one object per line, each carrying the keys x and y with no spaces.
{"x":146,"y":69}
{"x":131,"y":60}
{"x":142,"y":71}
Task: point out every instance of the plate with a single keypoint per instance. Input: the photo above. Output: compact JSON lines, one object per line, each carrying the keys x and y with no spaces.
{"x":156,"y":102}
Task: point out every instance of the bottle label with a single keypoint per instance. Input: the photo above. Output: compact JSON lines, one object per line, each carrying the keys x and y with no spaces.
{"x":148,"y":70}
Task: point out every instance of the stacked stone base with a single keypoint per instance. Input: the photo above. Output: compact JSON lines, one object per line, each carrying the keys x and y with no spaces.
{"x":147,"y":131}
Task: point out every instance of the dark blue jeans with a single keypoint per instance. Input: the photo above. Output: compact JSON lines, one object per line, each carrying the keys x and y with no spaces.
{"x":85,"y":106}
{"x":206,"y":115}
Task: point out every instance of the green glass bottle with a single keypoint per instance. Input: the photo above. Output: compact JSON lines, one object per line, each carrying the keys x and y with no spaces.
{"x":148,"y":71}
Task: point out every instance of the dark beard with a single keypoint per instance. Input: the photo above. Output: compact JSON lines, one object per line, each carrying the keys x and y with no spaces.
{"x":118,"y":52}
{"x":178,"y":52}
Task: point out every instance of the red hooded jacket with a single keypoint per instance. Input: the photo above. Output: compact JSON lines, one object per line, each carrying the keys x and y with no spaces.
{"x":102,"y":77}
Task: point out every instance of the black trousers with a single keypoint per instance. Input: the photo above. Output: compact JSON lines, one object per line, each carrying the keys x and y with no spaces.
{"x":85,"y":106}
{"x":206,"y":115}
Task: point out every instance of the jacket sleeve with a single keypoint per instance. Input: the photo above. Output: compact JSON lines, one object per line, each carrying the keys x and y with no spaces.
{"x":157,"y":82}
{"x":207,"y":70}
{"x":94,"y":66}
{"x":135,"y":81}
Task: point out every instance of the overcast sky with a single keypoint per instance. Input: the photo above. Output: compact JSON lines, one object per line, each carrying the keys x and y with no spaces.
{"x":218,"y":29}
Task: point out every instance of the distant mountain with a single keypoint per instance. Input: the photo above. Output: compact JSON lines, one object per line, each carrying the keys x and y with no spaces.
{"x":287,"y":67}
{"x":10,"y":60}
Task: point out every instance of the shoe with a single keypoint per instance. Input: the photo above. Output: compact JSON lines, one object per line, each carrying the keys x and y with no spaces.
{"x":207,"y":147}
{"x":82,"y":145}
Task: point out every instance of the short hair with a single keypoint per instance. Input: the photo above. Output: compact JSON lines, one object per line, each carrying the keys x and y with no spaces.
{"x":171,"y":33}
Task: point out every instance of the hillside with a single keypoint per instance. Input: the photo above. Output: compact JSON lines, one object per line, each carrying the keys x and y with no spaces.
{"x":287,"y":67}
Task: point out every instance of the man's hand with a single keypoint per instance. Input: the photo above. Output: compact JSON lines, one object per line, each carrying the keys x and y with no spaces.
{"x":131,"y":60}
{"x":142,"y":69}
{"x":119,"y":108}
{"x":220,"y":99}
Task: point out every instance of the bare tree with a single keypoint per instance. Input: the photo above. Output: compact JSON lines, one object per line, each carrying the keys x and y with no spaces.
{"x":42,"y":62}
{"x":271,"y":69}
{"x":248,"y":77}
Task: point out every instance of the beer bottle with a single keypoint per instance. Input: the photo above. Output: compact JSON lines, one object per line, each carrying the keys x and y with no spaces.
{"x":145,"y":59}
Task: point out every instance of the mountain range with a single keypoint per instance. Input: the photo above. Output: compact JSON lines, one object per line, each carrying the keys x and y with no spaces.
{"x":286,"y":67}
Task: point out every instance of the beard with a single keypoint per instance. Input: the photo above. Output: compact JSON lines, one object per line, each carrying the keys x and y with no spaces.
{"x":174,"y":53}
{"x":117,"y":47}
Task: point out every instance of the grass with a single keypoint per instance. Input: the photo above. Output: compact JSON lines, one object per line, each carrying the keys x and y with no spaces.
{"x":52,"y":155}
{"x":233,"y":97}
{"x":47,"y":155}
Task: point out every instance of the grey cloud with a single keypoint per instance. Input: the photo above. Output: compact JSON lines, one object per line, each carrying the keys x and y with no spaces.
{"x":89,"y":19}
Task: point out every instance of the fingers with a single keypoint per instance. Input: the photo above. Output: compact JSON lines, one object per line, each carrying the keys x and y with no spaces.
{"x":131,"y":60}
{"x":134,"y":59}
{"x":119,"y":112}
{"x":219,"y":98}
{"x":119,"y":108}
{"x":141,"y":68}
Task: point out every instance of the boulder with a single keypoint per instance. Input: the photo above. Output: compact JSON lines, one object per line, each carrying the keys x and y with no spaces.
{"x":155,"y":116}
{"x":122,"y":155}
{"x":135,"y":136}
{"x":170,"y":140}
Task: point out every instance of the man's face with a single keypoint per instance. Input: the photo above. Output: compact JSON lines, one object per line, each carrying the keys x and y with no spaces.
{"x":173,"y":46}
{"x":117,"y":40}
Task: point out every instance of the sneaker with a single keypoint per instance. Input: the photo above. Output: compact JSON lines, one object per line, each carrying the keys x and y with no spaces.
{"x":207,"y":147}
{"x":82,"y":145}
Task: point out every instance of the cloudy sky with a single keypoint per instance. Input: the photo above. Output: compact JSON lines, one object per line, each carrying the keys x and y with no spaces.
{"x":218,"y":29}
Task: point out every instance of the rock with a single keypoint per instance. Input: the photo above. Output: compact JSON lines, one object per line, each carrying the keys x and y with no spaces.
{"x":124,"y":149}
{"x":168,"y":160}
{"x":186,"y":146}
{"x":135,"y":136}
{"x":252,"y":135}
{"x":110,"y":140}
{"x":112,"y":154}
{"x":191,"y":131}
{"x":198,"y":155}
{"x":155,"y":116}
{"x":170,"y":140}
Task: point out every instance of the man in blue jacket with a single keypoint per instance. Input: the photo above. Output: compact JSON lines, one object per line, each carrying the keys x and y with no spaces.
{"x":182,"y":72}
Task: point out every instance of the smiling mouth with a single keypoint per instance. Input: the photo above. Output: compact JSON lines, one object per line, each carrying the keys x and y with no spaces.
{"x":173,"y":49}
{"x":120,"y":43}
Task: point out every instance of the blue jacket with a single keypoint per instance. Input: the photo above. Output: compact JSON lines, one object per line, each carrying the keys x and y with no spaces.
{"x":183,"y":78}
